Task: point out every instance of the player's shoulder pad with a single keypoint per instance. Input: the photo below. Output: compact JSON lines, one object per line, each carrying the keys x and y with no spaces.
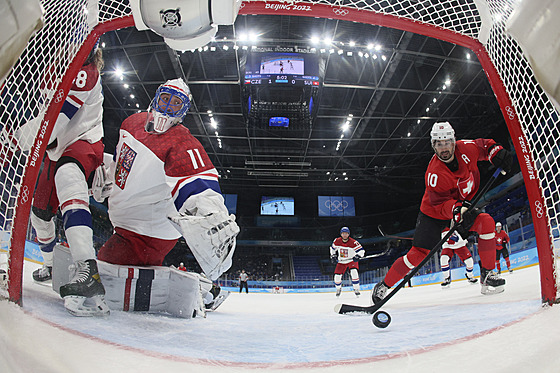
{"x":134,"y":120}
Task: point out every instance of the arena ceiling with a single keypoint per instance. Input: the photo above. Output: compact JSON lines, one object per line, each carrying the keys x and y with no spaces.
{"x":393,"y":86}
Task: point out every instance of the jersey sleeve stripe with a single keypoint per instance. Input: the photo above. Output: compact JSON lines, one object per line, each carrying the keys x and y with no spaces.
{"x":194,"y":187}
{"x":69,"y":109}
{"x":75,"y":99}
{"x":210,"y":174}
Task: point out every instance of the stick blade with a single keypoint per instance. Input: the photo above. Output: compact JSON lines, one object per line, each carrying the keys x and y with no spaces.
{"x":349,"y":308}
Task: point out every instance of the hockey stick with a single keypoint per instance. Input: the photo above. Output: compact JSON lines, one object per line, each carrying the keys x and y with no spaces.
{"x":375,"y":255}
{"x":390,"y":236}
{"x":347,"y":308}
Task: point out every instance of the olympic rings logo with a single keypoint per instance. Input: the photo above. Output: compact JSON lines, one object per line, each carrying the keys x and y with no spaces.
{"x":24,"y":194}
{"x":340,"y":11}
{"x":336,"y":205}
{"x":539,"y":209}
{"x":510,"y":112}
{"x":59,"y":96}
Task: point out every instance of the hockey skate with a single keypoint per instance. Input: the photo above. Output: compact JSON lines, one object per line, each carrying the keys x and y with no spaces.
{"x":446,"y":283}
{"x":490,"y":282}
{"x":42,"y":274}
{"x":357,"y":292}
{"x":84,"y":294}
{"x":379,"y":291}
{"x":338,"y":291}
{"x":510,"y":270}
{"x":471,"y":280}
{"x":218,"y":300}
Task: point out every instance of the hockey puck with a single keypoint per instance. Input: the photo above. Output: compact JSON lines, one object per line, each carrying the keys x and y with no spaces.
{"x":381,"y":319}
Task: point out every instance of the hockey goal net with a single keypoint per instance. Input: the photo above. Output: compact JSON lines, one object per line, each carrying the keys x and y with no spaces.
{"x":43,"y":75}
{"x":278,"y":290}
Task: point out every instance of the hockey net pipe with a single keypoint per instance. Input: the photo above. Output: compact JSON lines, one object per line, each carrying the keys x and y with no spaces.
{"x":40,"y":80}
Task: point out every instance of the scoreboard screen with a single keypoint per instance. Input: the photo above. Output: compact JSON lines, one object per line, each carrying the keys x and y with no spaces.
{"x":277,"y":205}
{"x":282,"y":69}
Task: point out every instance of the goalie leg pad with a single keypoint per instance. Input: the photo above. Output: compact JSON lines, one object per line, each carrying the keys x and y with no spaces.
{"x":151,"y":289}
{"x":62,"y":260}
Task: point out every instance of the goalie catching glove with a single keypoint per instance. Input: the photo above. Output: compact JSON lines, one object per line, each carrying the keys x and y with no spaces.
{"x":211,"y":238}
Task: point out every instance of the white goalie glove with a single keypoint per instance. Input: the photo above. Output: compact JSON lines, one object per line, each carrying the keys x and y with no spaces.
{"x":102,"y":185}
{"x":211,"y":238}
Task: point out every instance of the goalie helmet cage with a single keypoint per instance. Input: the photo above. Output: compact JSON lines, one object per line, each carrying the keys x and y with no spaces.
{"x":40,"y":80}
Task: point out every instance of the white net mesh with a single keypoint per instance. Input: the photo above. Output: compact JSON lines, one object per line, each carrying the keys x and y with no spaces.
{"x":29,"y":88}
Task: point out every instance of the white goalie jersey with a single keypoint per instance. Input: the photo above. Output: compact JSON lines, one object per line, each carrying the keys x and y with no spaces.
{"x":165,"y":186}
{"x":155,"y":175}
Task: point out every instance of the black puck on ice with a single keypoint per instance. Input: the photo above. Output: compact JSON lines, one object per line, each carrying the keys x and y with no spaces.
{"x":381,"y":319}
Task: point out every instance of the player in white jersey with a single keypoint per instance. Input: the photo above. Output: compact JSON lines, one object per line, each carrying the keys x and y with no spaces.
{"x":74,"y":152}
{"x":345,"y":253}
{"x":455,"y":245}
{"x":164,"y":186}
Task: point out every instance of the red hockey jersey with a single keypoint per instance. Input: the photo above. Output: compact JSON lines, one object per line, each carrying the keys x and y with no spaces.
{"x":444,"y":187}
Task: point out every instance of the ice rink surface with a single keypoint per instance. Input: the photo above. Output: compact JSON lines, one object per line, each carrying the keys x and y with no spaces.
{"x":432,"y":329}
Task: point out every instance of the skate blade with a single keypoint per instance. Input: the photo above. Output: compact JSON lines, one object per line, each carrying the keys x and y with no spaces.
{"x":43,"y":283}
{"x":489,"y":290}
{"x":219,"y":300}
{"x":83,"y":307}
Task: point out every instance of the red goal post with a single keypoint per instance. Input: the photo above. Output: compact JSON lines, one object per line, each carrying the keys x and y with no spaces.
{"x":479,"y":25}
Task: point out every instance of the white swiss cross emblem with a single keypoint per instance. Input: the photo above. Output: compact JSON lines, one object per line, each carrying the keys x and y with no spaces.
{"x":468,"y":188}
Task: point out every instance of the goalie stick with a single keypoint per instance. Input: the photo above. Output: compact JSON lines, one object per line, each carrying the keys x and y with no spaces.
{"x":348,"y":308}
{"x":391,"y":236}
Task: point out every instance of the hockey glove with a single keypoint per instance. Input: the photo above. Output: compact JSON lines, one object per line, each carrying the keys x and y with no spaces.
{"x":500,"y":158}
{"x":464,"y":233}
{"x":356,"y":258}
{"x":334,"y":259}
{"x":454,"y":237}
{"x":102,"y":186}
{"x":459,"y":209}
{"x":464,"y":217}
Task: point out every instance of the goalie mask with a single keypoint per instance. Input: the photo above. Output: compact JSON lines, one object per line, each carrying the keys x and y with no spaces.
{"x":443,"y":141}
{"x":170,"y":105}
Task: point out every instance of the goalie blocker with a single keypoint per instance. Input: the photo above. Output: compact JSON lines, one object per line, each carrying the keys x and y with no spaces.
{"x":151,"y":289}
